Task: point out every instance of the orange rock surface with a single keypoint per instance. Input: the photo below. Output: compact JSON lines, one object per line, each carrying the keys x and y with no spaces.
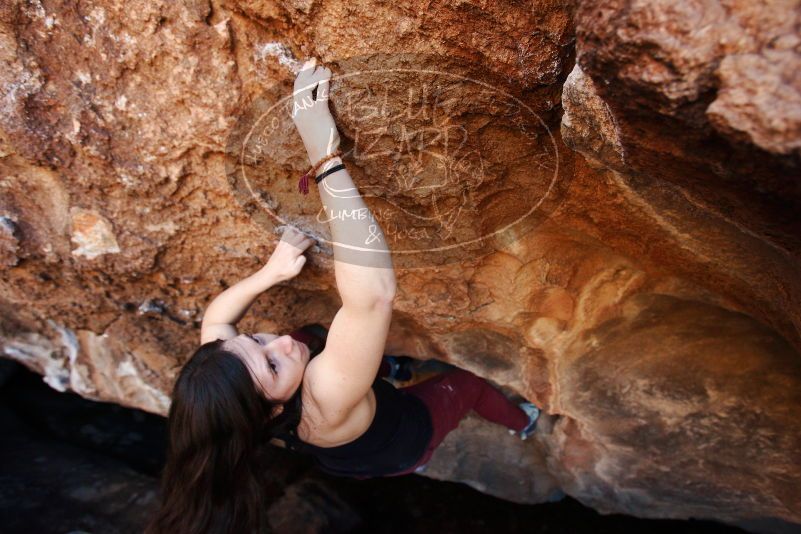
{"x":594,"y":205}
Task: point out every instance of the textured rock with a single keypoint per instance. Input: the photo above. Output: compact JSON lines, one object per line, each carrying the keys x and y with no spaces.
{"x":92,"y":233}
{"x":649,"y":301}
{"x":646,"y":390}
{"x":51,"y":486}
{"x":695,"y":90}
{"x":316,"y":506}
{"x":674,"y":79}
{"x":9,"y":245}
{"x":485,"y":457}
{"x":588,"y":124}
{"x":759,"y":100}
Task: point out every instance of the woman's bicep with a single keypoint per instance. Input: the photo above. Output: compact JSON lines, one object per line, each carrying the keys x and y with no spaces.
{"x":343,"y":373}
{"x":217,"y":331}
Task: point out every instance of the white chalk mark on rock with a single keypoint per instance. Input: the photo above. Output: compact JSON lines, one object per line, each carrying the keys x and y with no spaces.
{"x":92,"y":233}
{"x":280,"y":51}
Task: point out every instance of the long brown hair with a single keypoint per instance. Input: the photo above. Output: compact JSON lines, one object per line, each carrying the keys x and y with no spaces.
{"x":219,"y":427}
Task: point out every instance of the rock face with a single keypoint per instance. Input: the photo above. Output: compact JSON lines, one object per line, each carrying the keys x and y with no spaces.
{"x":631,"y":168}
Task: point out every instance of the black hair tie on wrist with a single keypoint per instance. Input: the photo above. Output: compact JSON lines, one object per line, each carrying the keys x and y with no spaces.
{"x":329,"y":171}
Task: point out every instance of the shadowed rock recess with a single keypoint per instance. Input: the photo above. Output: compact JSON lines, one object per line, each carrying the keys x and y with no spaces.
{"x":592,"y":204}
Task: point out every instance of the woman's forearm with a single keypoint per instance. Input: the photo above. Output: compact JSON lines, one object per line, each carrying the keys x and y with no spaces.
{"x":231,"y":305}
{"x":362,"y":260}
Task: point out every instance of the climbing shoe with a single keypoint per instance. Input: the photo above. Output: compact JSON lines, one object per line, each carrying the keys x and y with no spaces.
{"x":533,"y":414}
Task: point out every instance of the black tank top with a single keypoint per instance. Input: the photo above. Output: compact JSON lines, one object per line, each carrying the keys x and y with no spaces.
{"x":395,"y":440}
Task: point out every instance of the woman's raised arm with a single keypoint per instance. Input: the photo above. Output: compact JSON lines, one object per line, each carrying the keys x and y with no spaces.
{"x":362,"y":261}
{"x":342,"y":374}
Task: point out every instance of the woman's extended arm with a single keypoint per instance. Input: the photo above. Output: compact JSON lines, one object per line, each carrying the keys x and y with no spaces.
{"x":230,"y":306}
{"x":362,"y":261}
{"x":343,"y":373}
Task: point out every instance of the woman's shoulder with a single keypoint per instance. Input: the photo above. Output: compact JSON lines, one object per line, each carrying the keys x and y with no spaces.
{"x":317,"y":429}
{"x":318,"y":384}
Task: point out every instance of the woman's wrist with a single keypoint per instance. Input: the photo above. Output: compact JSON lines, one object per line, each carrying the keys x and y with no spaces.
{"x":333,"y":162}
{"x":319,"y":151}
{"x":315,"y":157}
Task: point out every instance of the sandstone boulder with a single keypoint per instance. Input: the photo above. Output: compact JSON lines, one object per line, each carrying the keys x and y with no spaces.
{"x":593,"y":204}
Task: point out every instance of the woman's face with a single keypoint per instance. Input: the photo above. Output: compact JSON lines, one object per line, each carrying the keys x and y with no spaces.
{"x":276,"y":363}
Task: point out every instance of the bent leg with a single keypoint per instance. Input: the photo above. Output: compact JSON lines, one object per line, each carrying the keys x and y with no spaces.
{"x":451,"y":395}
{"x":494,"y":406}
{"x":473,"y":392}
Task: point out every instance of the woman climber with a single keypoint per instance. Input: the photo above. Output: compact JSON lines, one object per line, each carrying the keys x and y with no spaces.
{"x":317,"y":390}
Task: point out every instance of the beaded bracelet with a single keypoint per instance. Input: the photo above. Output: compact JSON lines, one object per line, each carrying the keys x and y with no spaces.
{"x":303,"y":184}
